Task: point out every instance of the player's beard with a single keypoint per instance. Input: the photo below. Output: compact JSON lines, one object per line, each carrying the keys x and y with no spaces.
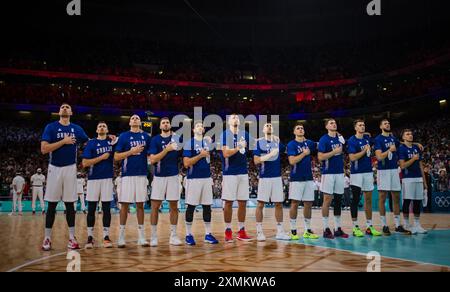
{"x":166,"y":130}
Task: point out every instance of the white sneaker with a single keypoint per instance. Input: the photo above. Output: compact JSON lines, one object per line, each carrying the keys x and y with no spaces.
{"x":47,"y":244}
{"x":174,"y":240}
{"x":260,"y":237}
{"x":282,"y":236}
{"x":413,"y":230}
{"x":154,"y":241}
{"x":121,"y":242}
{"x":419,"y":229}
{"x":11,"y":214}
{"x":142,"y":242}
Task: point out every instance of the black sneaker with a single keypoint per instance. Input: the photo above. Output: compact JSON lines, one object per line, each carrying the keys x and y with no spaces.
{"x":340,"y":233}
{"x":43,"y":212}
{"x":34,"y":213}
{"x":386,"y":231}
{"x":90,"y":242}
{"x":328,"y":234}
{"x":402,"y":230}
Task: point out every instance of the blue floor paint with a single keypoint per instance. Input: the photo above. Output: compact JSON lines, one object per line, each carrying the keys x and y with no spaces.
{"x":431,"y":248}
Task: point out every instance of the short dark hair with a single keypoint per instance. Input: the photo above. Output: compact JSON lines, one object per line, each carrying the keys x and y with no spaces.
{"x":383,"y":121}
{"x":405,"y":131}
{"x":357,"y":121}
{"x":299,"y":124}
{"x":196,"y":122}
{"x":101,"y":122}
{"x":65,"y":103}
{"x":328,"y":120}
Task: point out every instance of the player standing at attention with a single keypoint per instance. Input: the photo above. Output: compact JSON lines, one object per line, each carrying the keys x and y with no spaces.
{"x":196,"y":159}
{"x":235,"y":184}
{"x":132,"y":150}
{"x":270,"y":186}
{"x":81,"y":183}
{"x":165,"y":185}
{"x":98,"y":157}
{"x":361,"y":177}
{"x":332,"y":184}
{"x":60,"y":139}
{"x":302,"y":185}
{"x":18,"y":185}
{"x":413,"y":180}
{"x":388,"y":179}
{"x":37,"y":184}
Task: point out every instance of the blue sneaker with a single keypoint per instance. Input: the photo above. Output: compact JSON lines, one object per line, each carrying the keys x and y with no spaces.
{"x":190,"y":240}
{"x":209,"y":238}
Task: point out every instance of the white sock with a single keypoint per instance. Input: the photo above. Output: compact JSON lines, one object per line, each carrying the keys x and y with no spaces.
{"x":383,"y":221}
{"x":397,"y":220}
{"x":188,"y":228}
{"x":173,"y":230}
{"x":416,"y":221}
{"x":325,"y":223}
{"x":337,"y":222}
{"x":122,"y":231}
{"x":48,"y":233}
{"x":90,"y":231}
{"x":228,"y":225}
{"x":241,"y":225}
{"x":307,"y":222}
{"x":141,"y":232}
{"x":280,"y":227}
{"x":293,"y":224}
{"x":369,"y":223}
{"x":406,"y":220}
{"x":72,"y":233}
{"x":154,"y":231}
{"x":259,"y":228}
{"x":207,"y":227}
{"x":105,"y":231}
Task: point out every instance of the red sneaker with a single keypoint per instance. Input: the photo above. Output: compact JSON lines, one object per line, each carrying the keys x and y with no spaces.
{"x":242,"y":235}
{"x":228,"y":235}
{"x":340,"y":233}
{"x":73,"y":244}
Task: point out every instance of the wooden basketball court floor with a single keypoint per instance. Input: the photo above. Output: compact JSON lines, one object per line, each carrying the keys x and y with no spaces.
{"x":21,"y":238}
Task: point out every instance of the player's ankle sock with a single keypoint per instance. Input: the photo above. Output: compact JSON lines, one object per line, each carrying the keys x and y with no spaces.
{"x":259,"y":228}
{"x":228,"y":225}
{"x":369,"y":223}
{"x":325,"y":223}
{"x":173,"y":230}
{"x":293,"y":223}
{"x":141,"y":231}
{"x":280,"y":227}
{"x":188,"y":228}
{"x":307,"y":223}
{"x":397,"y":220}
{"x":90,"y":231}
{"x":406,"y":221}
{"x":154,"y":230}
{"x":383,"y":220}
{"x":72,"y":233}
{"x":207,"y":227}
{"x":48,"y":233}
{"x":337,"y":222}
{"x":416,"y":221}
{"x":105,"y":231}
{"x":241,"y":225}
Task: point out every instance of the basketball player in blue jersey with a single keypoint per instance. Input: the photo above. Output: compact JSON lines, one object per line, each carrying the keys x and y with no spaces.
{"x":270,"y":186}
{"x":361,"y":177}
{"x":61,"y":139}
{"x":388,"y":178}
{"x":132,"y":149}
{"x":235,"y":185}
{"x":414,"y":183}
{"x":196,"y":158}
{"x":332,"y":185}
{"x":98,"y":157}
{"x":166,"y":185}
{"x":301,"y":186}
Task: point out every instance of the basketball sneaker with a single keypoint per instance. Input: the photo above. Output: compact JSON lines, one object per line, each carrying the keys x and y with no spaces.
{"x":328,"y":234}
{"x":386,"y":231}
{"x":308,"y":234}
{"x":107,"y":243}
{"x":294,"y":236}
{"x":372,"y":231}
{"x":190,"y":240}
{"x":73,"y":244}
{"x":154,"y":241}
{"x":357,"y":232}
{"x":402,"y":230}
{"x":121,"y":242}
{"x":47,"y":244}
{"x":209,"y":238}
{"x":90,"y":243}
{"x":142,"y":242}
{"x":340,"y":233}
{"x":282,"y":236}
{"x":228,"y":235}
{"x":174,"y":240}
{"x":33,"y":213}
{"x":260,"y":237}
{"x":242,"y":235}
{"x":43,"y":212}
{"x":419,"y":230}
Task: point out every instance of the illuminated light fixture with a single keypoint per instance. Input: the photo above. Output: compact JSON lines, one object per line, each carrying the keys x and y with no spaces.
{"x":384,"y":88}
{"x":125,"y":117}
{"x":24,"y":112}
{"x":209,"y":97}
{"x":443,"y":101}
{"x":244,"y":98}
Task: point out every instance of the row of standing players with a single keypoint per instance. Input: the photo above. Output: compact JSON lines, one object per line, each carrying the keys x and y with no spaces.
{"x":134,"y":148}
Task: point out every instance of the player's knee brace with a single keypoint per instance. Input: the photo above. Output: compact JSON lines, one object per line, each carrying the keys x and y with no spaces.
{"x":207,"y":213}
{"x":406,"y":204}
{"x":356,"y":197}
{"x":50,"y":215}
{"x":416,"y":207}
{"x":70,"y":214}
{"x":337,"y":204}
{"x":106,"y":208}
{"x":92,"y":206}
{"x":190,"y":213}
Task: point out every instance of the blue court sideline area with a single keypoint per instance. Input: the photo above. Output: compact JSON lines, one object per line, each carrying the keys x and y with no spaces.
{"x":431,"y":248}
